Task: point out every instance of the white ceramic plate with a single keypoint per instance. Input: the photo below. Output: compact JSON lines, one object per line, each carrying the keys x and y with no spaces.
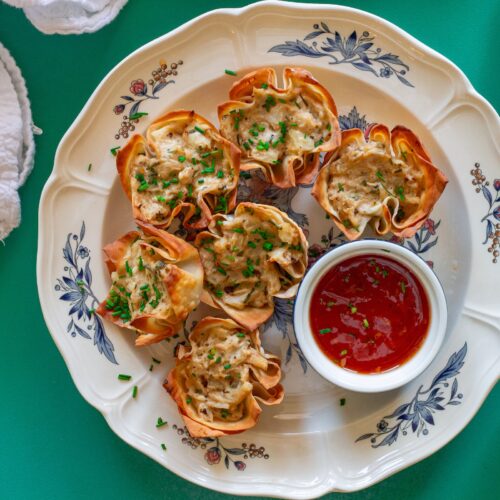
{"x":322,"y":438}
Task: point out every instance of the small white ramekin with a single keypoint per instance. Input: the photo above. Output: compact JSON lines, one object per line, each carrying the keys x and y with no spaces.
{"x":377,"y":382}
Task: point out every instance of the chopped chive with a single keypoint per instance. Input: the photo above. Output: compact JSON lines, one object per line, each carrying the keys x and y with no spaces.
{"x":218,"y":360}
{"x":267,"y":246}
{"x":190,"y":190}
{"x":181,"y":158}
{"x":341,"y":187}
{"x":239,"y":230}
{"x":174,"y":180}
{"x":150,"y":368}
{"x":219,"y":293}
{"x":157,"y":361}
{"x":166,"y":184}
{"x":121,"y":376}
{"x":385,"y":273}
{"x":188,"y":401}
{"x":134,"y":392}
{"x":144,"y":185}
{"x":220,"y":174}
{"x":201,"y":181}
{"x":329,"y":127}
{"x":400,"y":193}
{"x":161,"y":199}
{"x":230,"y":72}
{"x":325,"y":330}
{"x":199,"y":129}
{"x":136,"y":116}
{"x":403,"y":154}
{"x":264,"y":86}
{"x":283,"y":101}
{"x":164,"y":448}
{"x":128,"y":268}
{"x":221,"y":270}
{"x":365,"y":323}
{"x":343,"y":352}
{"x":114,"y":151}
{"x":227,"y":366}
{"x":89,"y":168}
{"x":240,"y":335}
{"x":380,"y":175}
{"x":251,"y":244}
{"x":342,"y":402}
{"x":354,"y":309}
{"x":160,"y":422}
{"x":403,"y":286}
{"x":318,"y":143}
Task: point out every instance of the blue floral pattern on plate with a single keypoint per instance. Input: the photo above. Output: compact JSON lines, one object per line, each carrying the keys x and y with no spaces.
{"x":356,"y":50}
{"x":492,"y":217}
{"x":417,"y":415}
{"x":75,"y":286}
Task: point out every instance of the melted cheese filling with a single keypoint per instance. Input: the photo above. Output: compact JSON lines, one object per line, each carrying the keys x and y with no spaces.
{"x":217,"y":375}
{"x":363,"y":179}
{"x":276,"y":125}
{"x":191,"y":165}
{"x":246,"y":265}
{"x":138,"y":286}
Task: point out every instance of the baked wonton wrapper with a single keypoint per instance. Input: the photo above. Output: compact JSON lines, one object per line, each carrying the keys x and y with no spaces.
{"x":157,"y":281}
{"x":184,"y":166}
{"x":250,"y":257}
{"x":281,"y":131}
{"x":218,"y":381}
{"x":387,"y":178}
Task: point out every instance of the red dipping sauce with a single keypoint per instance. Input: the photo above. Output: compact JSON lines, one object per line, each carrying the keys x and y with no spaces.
{"x":369,"y":314}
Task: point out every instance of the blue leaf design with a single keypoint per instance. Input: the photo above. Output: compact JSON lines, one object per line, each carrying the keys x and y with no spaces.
{"x":82,"y":332}
{"x":82,"y":231}
{"x":427,"y":235}
{"x":325,"y":27}
{"x":70,"y":326}
{"x":389,"y":439}
{"x":102,"y":342}
{"x":70,"y":296}
{"x":454,"y":389}
{"x":235,"y":451}
{"x":88,"y":273}
{"x":127,"y":98}
{"x":68,"y":252}
{"x":403,"y":80}
{"x":453,"y":367}
{"x":392,"y":59}
{"x":415,"y":421}
{"x":412,"y":247}
{"x":314,"y":34}
{"x":135,"y":108}
{"x":454,"y":403}
{"x":417,"y":238}
{"x":161,"y":86}
{"x":302,"y":359}
{"x":399,"y":411}
{"x":297,"y":48}
{"x":288,"y":354}
{"x":426,"y":415}
{"x":487,"y":194}
{"x":489,"y":231}
{"x":364,"y":67}
{"x":363,"y":47}
{"x":427,"y":247}
{"x":351,"y":43}
{"x":364,"y":436}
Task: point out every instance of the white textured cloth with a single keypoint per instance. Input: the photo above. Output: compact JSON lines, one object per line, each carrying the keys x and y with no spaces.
{"x":69,"y":16}
{"x":17,"y":147}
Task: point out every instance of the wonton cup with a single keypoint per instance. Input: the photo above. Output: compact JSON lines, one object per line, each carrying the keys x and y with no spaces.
{"x":281,"y":131}
{"x":219,"y":380}
{"x":387,"y":179}
{"x":250,"y":257}
{"x":185,"y":165}
{"x":157,"y":281}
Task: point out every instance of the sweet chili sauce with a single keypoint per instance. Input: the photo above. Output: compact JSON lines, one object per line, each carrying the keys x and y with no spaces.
{"x":369,"y":314}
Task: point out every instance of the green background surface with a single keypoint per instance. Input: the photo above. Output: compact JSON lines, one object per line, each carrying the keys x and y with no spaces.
{"x":53,"y":444}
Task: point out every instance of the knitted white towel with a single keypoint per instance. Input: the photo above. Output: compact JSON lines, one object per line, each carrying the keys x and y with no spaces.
{"x":17,"y":147}
{"x":69,"y":16}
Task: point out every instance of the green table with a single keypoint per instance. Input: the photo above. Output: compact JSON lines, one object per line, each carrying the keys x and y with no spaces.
{"x":53,"y":444}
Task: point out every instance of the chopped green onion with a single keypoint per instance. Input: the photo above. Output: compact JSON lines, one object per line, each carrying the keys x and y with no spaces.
{"x":251,"y":244}
{"x":114,"y":151}
{"x":218,"y":360}
{"x":181,"y":158}
{"x":240,"y":335}
{"x":160,"y":422}
{"x":380,"y":175}
{"x":221,"y":270}
{"x":141,"y":264}
{"x":164,"y":448}
{"x":230,"y":72}
{"x":267,"y":246}
{"x":161,"y":199}
{"x":199,"y":129}
{"x":403,"y":154}
{"x":219,"y":293}
{"x":403,"y":286}
{"x":400,"y":193}
{"x":201,"y":181}
{"x":128,"y":268}
{"x":227,"y":366}
{"x":239,"y":230}
{"x":89,"y":168}
{"x":220,"y":174}
{"x":343,"y":352}
{"x":342,"y":402}
{"x":188,"y":401}
{"x":341,"y":187}
{"x":365,"y":323}
{"x":121,"y":376}
{"x":325,"y":330}
{"x":136,"y":116}
{"x":354,"y":309}
{"x":144,"y":185}
{"x":134,"y":392}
